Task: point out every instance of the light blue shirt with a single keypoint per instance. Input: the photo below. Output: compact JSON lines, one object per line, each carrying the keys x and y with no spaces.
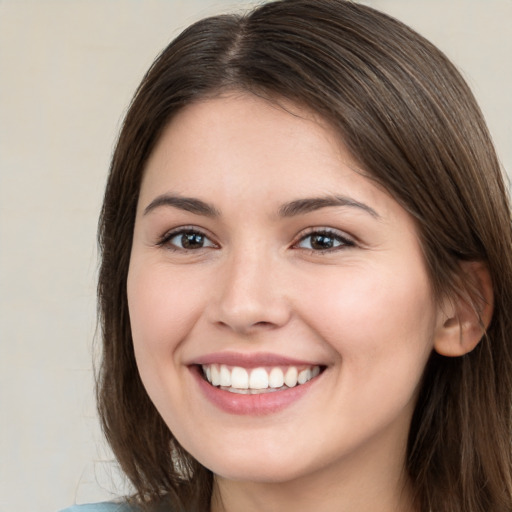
{"x":101,"y":507}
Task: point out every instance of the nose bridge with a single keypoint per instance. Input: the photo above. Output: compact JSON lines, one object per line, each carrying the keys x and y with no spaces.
{"x":250,"y":293}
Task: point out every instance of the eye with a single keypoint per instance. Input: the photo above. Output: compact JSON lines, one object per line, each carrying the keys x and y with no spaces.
{"x":186,"y":240}
{"x":323,"y":241}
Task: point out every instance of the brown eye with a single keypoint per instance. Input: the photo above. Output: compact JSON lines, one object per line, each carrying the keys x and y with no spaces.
{"x":321,"y":242}
{"x":188,"y":240}
{"x":324,"y":241}
{"x":191,"y":240}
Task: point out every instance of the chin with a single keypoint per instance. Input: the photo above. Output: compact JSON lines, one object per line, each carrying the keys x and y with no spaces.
{"x":266,"y":475}
{"x":277,"y":469}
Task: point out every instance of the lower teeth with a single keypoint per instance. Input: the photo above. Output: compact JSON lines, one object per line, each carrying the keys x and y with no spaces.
{"x":252,"y":391}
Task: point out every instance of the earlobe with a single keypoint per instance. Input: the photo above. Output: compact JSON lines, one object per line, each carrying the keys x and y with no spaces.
{"x":464,"y":318}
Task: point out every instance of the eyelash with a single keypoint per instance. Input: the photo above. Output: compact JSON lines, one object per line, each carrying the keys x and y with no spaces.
{"x":342,"y":240}
{"x":166,"y":239}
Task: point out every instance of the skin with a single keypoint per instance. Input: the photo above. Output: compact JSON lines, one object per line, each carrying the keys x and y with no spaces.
{"x":364,"y":308}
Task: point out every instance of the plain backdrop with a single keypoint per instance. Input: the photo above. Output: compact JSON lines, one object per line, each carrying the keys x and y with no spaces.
{"x":68,"y":69}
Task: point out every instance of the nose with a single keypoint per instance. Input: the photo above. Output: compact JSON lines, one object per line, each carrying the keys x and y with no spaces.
{"x":250,"y":296}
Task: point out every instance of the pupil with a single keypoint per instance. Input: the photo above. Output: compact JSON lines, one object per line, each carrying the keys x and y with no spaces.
{"x":192,"y":240}
{"x":321,"y":242}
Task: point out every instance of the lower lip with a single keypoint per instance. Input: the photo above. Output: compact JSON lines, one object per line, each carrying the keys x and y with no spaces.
{"x":253,"y":405}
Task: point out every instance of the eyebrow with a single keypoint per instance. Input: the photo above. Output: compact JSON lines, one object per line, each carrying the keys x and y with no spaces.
{"x":301,"y":206}
{"x":188,"y":204}
{"x":291,"y":209}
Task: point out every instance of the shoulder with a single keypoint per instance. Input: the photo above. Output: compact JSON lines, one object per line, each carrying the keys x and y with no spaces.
{"x":102,"y":507}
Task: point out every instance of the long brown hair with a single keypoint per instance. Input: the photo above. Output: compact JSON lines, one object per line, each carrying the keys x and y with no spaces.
{"x":406,"y":114}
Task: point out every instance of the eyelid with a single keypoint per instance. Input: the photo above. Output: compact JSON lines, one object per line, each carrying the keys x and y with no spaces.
{"x":170,"y":234}
{"x":346,"y":239}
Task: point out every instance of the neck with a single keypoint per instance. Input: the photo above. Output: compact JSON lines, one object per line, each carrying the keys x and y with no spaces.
{"x":369,"y":482}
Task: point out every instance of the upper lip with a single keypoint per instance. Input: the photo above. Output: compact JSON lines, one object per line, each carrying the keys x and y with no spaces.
{"x":248,"y":360}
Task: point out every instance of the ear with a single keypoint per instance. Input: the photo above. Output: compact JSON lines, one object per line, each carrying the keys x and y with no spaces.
{"x":464,"y":318}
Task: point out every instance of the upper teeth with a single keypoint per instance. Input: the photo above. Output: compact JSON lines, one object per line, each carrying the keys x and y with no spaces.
{"x":257,"y":378}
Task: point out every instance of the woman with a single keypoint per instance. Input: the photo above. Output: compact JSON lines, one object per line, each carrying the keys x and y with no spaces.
{"x":306,"y":274}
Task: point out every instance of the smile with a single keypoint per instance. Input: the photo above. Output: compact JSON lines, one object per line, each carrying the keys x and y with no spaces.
{"x":236,"y":379}
{"x":255,"y":384}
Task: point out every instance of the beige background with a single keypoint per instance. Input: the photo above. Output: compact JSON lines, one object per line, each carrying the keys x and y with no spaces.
{"x":67,"y":72}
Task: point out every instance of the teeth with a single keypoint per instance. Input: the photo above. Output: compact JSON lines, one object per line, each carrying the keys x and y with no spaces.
{"x":225,"y":376}
{"x":290,"y":379}
{"x":258,"y":379}
{"x":276,"y":378}
{"x":215,"y":375}
{"x":304,"y":376}
{"x":240,"y":380}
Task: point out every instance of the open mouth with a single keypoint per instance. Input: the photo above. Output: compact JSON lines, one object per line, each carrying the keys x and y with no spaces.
{"x":236,"y":379}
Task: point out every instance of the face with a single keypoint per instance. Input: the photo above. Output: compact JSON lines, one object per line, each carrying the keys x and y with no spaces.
{"x":280,"y":306}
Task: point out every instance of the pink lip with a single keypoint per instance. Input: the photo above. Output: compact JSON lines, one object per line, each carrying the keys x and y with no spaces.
{"x":254,"y":405}
{"x":250,"y":360}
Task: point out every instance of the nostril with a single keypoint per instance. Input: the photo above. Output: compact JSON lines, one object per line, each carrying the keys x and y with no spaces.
{"x":263,"y":324}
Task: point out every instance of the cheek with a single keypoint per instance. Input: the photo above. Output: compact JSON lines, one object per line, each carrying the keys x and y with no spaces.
{"x":163,"y":308}
{"x":378,"y":321}
{"x":162,"y":305}
{"x":380,"y":326}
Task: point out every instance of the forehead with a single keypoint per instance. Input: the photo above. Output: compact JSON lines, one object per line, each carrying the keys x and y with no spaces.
{"x":237,"y":133}
{"x":269,"y":153}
